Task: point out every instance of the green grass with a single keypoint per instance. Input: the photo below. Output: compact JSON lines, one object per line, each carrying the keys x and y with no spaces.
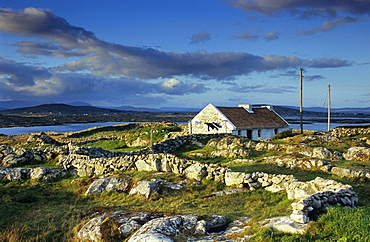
{"x":338,"y":224}
{"x":39,"y":211}
{"x":112,"y":145}
{"x":53,"y":211}
{"x":359,"y":165}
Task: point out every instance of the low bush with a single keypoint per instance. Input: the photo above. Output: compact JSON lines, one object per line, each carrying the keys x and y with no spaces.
{"x":284,"y":134}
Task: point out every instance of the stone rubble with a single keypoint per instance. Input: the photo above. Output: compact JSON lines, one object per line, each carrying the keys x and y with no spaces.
{"x":311,"y":198}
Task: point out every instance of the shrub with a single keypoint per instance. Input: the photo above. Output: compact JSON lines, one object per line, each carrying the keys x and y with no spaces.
{"x":284,"y":134}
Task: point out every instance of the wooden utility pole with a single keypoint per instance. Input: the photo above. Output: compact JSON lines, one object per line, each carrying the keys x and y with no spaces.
{"x":301,"y":100}
{"x":329,"y":107}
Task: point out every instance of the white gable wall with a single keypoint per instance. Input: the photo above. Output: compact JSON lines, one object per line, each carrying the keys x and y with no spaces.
{"x":210,"y":121}
{"x":259,"y":133}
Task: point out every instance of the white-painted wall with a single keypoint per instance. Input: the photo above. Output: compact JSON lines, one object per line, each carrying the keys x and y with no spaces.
{"x":262,"y":134}
{"x":210,"y":114}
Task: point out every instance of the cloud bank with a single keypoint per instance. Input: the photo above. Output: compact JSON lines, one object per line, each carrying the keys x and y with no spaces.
{"x":304,"y":8}
{"x":336,"y":12}
{"x":111,"y":72}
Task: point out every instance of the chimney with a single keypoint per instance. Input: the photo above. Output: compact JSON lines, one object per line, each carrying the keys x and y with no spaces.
{"x":269,"y":107}
{"x":250,"y":107}
{"x":247,"y":107}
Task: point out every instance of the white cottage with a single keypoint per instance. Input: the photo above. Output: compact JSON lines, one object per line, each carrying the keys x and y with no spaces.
{"x":252,"y":121}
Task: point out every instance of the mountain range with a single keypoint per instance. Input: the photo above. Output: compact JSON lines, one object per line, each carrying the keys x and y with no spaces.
{"x":85,"y":108}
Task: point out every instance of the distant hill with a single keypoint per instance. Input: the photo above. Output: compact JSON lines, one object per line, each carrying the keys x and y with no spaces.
{"x":131,"y":108}
{"x":60,"y":109}
{"x":79,"y":104}
{"x":175,"y":109}
{"x":342,"y":110}
{"x":293,"y":111}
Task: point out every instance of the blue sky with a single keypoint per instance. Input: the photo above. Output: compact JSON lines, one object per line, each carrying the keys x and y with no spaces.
{"x":184,"y":53}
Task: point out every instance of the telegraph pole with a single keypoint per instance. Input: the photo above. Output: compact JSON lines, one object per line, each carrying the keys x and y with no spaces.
{"x":301,"y":100}
{"x":329,"y":107}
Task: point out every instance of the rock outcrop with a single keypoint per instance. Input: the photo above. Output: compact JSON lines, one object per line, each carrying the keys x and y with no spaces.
{"x":301,"y":163}
{"x":108,"y":184}
{"x":149,"y":226}
{"x":357,"y":153}
{"x":126,"y":222}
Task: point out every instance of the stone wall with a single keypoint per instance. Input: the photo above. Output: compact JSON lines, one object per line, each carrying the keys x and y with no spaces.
{"x":13,"y":174}
{"x":347,"y":131}
{"x":314,"y":196}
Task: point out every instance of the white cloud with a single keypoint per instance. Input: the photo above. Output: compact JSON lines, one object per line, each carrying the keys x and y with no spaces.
{"x":176,"y":87}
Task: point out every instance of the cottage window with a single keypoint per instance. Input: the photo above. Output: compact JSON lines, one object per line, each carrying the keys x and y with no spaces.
{"x":276,"y":131}
{"x":239,"y":132}
{"x":259,"y":133}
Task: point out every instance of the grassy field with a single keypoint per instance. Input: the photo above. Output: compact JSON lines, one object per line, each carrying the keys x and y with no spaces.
{"x":34,"y":210}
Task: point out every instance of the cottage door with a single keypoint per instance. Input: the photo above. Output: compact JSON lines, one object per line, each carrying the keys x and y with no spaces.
{"x":249,"y":134}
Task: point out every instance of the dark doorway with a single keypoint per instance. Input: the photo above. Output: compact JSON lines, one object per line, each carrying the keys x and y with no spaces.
{"x":249,"y":134}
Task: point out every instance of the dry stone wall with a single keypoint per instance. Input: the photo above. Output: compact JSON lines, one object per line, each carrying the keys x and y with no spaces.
{"x":347,"y":131}
{"x":318,"y":191}
{"x":45,"y":173}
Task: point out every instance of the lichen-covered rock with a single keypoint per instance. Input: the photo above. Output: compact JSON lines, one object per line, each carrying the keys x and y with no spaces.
{"x":350,"y":173}
{"x":129,"y":227}
{"x":230,"y":153}
{"x":357,"y":153}
{"x":160,"y":229}
{"x":321,"y":152}
{"x":196,"y":171}
{"x":14,"y":159}
{"x":145,"y":188}
{"x":121,"y":223}
{"x":108,"y":184}
{"x":229,"y":143}
{"x":91,"y":231}
{"x":301,"y":163}
{"x":15,"y":175}
{"x":138,"y":142}
{"x":235,"y":178}
{"x":201,"y":227}
{"x":286,"y":224}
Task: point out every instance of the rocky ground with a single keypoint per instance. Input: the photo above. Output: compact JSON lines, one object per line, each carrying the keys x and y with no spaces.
{"x":304,"y":152}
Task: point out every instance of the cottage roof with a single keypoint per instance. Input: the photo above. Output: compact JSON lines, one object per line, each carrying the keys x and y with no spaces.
{"x":261,"y":117}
